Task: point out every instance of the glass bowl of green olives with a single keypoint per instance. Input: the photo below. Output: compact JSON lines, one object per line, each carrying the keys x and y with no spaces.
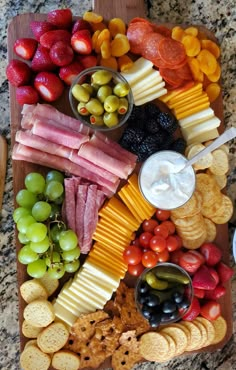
{"x":101,"y":98}
{"x":163,"y":294}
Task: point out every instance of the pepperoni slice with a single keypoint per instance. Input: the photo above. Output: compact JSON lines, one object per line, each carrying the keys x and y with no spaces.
{"x":171,"y":51}
{"x":164,"y":31}
{"x":184,"y":72}
{"x":151,"y":45}
{"x":135,"y":33}
{"x":171,"y":76}
{"x":138,"y":19}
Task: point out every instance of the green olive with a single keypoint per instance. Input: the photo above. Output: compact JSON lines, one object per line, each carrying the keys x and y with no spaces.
{"x":81,"y":108}
{"x":95,"y":87}
{"x":96,"y":120}
{"x":103,"y":92}
{"x":80,"y":93}
{"x":101,"y":77}
{"x":111,"y":119}
{"x":123,"y":106}
{"x":88,"y":87}
{"x":111,"y":103}
{"x":121,"y":89}
{"x":95,"y":107}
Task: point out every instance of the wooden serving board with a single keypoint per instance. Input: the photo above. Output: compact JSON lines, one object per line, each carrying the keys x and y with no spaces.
{"x":126,"y":9}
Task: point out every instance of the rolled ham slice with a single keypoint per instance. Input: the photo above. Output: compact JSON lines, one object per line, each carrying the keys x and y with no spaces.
{"x":25,"y":153}
{"x":101,"y":159}
{"x":59,"y":135}
{"x":37,"y":142}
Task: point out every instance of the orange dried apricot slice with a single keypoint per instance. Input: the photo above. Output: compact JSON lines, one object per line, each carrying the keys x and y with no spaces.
{"x":119,"y":45}
{"x":106,"y":49}
{"x":213,"y":91}
{"x":109,"y":62}
{"x":92,"y":17}
{"x":177,"y":33}
{"x":192,"y":45}
{"x":207,"y":62}
{"x":98,"y":26}
{"x":124,"y":63}
{"x":214,"y":77}
{"x":195,"y":69}
{"x":116,"y":25}
{"x":193,"y":31}
{"x":95,"y":38}
{"x":211,"y":46}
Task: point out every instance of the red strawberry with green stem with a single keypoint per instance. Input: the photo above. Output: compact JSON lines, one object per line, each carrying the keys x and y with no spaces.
{"x":18,"y":73}
{"x":25,"y":48}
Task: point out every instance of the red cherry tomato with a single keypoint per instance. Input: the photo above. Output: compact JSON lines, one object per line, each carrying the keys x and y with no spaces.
{"x":179,"y":240}
{"x":149,"y":225}
{"x":164,"y":256}
{"x":162,"y":214}
{"x":175,"y":256}
{"x":158,"y":243}
{"x":171,"y":243}
{"x":132,"y":255}
{"x":149,"y":259}
{"x":170,"y":226}
{"x":144,"y":239}
{"x":136,"y":242}
{"x":136,"y":270}
{"x":161,"y":230}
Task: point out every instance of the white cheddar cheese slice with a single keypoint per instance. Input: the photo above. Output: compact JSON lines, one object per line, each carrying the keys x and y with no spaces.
{"x":103,"y":282}
{"x":75,"y":300}
{"x":149,"y":81}
{"x":200,"y":128}
{"x":109,"y":277}
{"x":150,"y":97}
{"x":87,"y":298}
{"x":68,"y":306}
{"x":98,"y":293}
{"x":149,"y":91}
{"x":63,"y":314}
{"x":101,"y":285}
{"x":140,"y":68}
{"x":205,"y":136}
{"x":195,"y":118}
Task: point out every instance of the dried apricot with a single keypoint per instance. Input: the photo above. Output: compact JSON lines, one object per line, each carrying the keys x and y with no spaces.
{"x":193,"y":31}
{"x":92,"y":17}
{"x":119,"y":45}
{"x":177,"y":33}
{"x":192,"y":45}
{"x":124,"y":63}
{"x":195,"y":69}
{"x":109,"y":62}
{"x":116,"y":25}
{"x":207,"y":62}
{"x":213,"y":91}
{"x":103,"y":35}
{"x":95,"y":38}
{"x":211,"y":46}
{"x":98,"y":26}
{"x":106,"y":49}
{"x":214,"y":77}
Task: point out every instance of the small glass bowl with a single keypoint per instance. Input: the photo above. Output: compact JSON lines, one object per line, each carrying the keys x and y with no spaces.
{"x":176,"y":297}
{"x":85,"y":77}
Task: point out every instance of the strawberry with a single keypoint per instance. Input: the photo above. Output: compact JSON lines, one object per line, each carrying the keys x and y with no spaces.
{"x":190,"y":262}
{"x":49,"y":86}
{"x":216,"y":293}
{"x":26,"y":95}
{"x":87,"y":61}
{"x":175,"y":256}
{"x":202,"y":279}
{"x":81,"y":42}
{"x":225,"y":272}
{"x":25,"y":48}
{"x":39,"y":28}
{"x":42,"y":61}
{"x":199,"y":255}
{"x":68,"y":73}
{"x":200,"y":293}
{"x":61,"y":18}
{"x":18,"y":73}
{"x":214,"y":274}
{"x":51,"y":37}
{"x":61,"y":54}
{"x":193,"y":311}
{"x":211,"y":310}
{"x":212,"y":253}
{"x":81,"y":24}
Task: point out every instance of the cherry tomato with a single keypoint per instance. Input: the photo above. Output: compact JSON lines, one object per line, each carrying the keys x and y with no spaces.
{"x":161,"y":230}
{"x":179,"y":240}
{"x":164,"y":256}
{"x":149,"y":225}
{"x":162,"y":214}
{"x":144,"y":239}
{"x":175,"y":256}
{"x":171,"y":243}
{"x":158,"y":243}
{"x":170,"y":226}
{"x":136,"y":242}
{"x":132,"y":255}
{"x":149,"y":259}
{"x":136,"y":270}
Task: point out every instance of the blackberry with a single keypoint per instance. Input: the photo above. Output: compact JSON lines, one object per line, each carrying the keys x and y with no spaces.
{"x":162,"y":137}
{"x":167,"y":122}
{"x":137,"y":118}
{"x":148,"y":146}
{"x":151,"y":110}
{"x":179,"y":145}
{"x":152,"y":125}
{"x":132,"y":134}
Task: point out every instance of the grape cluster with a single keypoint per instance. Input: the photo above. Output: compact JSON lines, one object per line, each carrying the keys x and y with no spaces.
{"x":47,"y":244}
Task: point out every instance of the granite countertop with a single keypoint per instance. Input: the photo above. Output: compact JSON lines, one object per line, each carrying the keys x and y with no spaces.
{"x":217,"y":15}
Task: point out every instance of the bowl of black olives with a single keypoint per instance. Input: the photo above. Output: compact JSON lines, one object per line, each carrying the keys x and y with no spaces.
{"x":163,"y":293}
{"x":101,"y":98}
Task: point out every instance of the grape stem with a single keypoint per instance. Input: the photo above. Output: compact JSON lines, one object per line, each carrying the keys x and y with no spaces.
{"x":60,"y":224}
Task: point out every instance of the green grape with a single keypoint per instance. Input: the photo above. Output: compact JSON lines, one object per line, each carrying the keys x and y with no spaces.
{"x":68,"y":240}
{"x":55,"y":258}
{"x":35,"y":183}
{"x":56,"y":272}
{"x":37,"y":269}
{"x":56,"y":230}
{"x":60,"y":199}
{"x":23,"y":238}
{"x":36,"y":232}
{"x":26,"y":255}
{"x":40,"y":247}
{"x":53,"y":190}
{"x":55,"y":175}
{"x":25,"y":198}
{"x":55,"y":211}
{"x":24,"y":223}
{"x":20,"y":212}
{"x":72,"y":266}
{"x":71,"y":255}
{"x":41,"y":211}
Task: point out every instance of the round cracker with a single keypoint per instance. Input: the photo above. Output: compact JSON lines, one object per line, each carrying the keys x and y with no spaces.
{"x":224,"y":214}
{"x":195,"y":334}
{"x":195,"y":243}
{"x":185,"y":329}
{"x":211,"y":230}
{"x":209,"y":328}
{"x":179,"y":337}
{"x":203,"y":331}
{"x":220,"y":163}
{"x":154,"y":346}
{"x":172,"y":348}
{"x":190,"y":208}
{"x":220,"y":326}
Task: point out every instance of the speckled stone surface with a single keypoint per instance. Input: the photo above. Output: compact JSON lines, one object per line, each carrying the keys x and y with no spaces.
{"x":218,"y":16}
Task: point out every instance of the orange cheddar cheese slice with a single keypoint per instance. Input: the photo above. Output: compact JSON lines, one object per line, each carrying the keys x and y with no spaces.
{"x":134,"y":200}
{"x":202,"y":99}
{"x":115,"y":206}
{"x":133,"y":181}
{"x":111,"y":215}
{"x":112,"y":231}
{"x":103,"y":236}
{"x":187,"y":99}
{"x":116,"y":226}
{"x":103,"y":254}
{"x":193,"y":110}
{"x":184,"y":94}
{"x":107,"y":266}
{"x":141,"y":202}
{"x":109,"y":247}
{"x":130,"y":204}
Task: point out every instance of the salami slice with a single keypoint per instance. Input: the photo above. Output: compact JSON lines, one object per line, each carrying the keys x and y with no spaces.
{"x":162,"y":30}
{"x":70,"y":203}
{"x":150,"y":48}
{"x":135,"y":33}
{"x":184,"y":72}
{"x":171,"y":51}
{"x":171,"y":76}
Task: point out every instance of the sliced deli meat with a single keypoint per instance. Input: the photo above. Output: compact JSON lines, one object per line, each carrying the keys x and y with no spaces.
{"x":90,"y":218}
{"x":81,"y":197}
{"x":70,"y":210}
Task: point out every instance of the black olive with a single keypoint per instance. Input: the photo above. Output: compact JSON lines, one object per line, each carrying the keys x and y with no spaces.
{"x":147,"y":311}
{"x":155,"y":320}
{"x":152,"y":300}
{"x":142,"y":298}
{"x":184,"y":304}
{"x":165,"y":317}
{"x":143,"y":287}
{"x":174,"y":315}
{"x":168,"y":307}
{"x":177,"y":297}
